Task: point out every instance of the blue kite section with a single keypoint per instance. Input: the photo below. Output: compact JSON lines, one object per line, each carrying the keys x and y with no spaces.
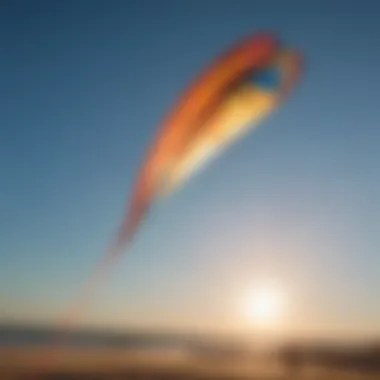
{"x":269,"y":80}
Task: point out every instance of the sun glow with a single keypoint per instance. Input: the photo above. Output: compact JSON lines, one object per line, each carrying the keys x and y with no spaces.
{"x":264,"y":306}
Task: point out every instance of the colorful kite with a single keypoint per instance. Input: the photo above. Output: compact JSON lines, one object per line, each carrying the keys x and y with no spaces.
{"x":234,"y":95}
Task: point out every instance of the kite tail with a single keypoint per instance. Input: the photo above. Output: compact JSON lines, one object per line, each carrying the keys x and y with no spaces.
{"x":71,"y":318}
{"x":102,"y":271}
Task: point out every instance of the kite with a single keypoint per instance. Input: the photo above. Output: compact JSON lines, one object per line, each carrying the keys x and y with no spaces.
{"x":234,"y":95}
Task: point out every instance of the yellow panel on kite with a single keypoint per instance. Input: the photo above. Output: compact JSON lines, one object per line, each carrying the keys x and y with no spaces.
{"x":242,"y":110}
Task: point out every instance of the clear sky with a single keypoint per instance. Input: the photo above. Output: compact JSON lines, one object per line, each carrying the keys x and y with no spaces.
{"x":83,"y":86}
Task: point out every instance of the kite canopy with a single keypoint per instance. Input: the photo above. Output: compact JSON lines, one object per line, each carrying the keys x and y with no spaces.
{"x":232,"y":96}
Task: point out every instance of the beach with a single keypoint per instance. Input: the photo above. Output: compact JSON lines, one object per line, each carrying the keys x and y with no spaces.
{"x":118,"y":364}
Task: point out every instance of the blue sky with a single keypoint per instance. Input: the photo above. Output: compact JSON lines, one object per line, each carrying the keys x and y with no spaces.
{"x":83,"y":86}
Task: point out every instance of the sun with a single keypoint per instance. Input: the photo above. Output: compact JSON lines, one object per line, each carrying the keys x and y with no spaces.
{"x":264,"y":306}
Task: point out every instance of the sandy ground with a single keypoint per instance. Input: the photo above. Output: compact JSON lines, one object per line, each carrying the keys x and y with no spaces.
{"x":107,"y":364}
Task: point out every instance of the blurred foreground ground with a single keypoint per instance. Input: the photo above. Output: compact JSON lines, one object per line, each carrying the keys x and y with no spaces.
{"x":118,"y":364}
